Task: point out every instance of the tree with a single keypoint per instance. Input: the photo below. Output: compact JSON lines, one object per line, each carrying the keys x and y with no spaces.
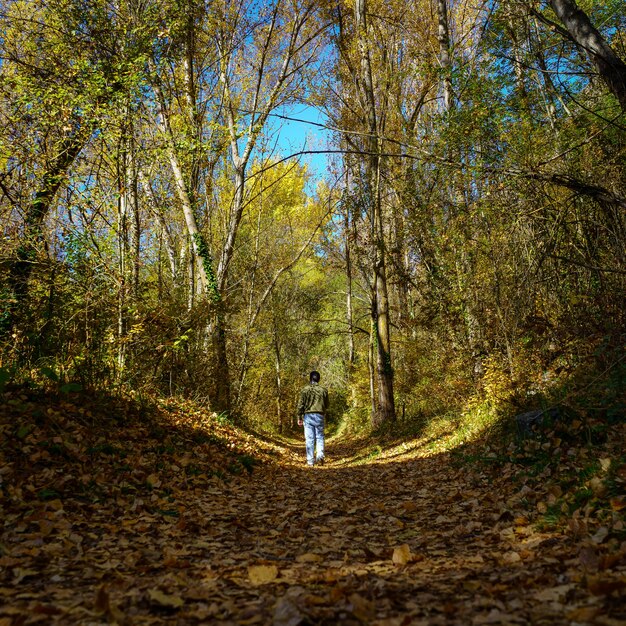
{"x":591,"y":43}
{"x":61,"y":89}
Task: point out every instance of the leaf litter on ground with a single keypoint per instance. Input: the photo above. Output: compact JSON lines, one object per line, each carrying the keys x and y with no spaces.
{"x":168,"y":514}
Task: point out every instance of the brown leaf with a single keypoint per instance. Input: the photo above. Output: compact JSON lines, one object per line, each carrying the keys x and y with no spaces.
{"x":618,"y":503}
{"x":154,"y":481}
{"x":511,"y":557}
{"x":309,"y":557}
{"x":102,"y":603}
{"x":402,"y":554}
{"x":601,"y":585}
{"x":362,"y":608}
{"x":584,"y":614}
{"x":553,"y":594}
{"x":589,"y":559}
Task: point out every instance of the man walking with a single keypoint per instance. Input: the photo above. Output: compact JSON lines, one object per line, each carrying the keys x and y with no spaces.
{"x":312,"y":408}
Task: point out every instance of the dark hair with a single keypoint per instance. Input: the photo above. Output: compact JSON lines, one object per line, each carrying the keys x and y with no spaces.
{"x":314,"y":377}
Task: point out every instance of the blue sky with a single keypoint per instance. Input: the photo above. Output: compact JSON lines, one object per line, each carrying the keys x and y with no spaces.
{"x":302,"y":132}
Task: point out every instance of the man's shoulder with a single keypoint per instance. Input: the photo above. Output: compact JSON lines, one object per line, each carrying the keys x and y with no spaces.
{"x":314,"y":386}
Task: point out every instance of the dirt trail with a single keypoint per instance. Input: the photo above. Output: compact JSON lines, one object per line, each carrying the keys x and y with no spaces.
{"x":389,"y":542}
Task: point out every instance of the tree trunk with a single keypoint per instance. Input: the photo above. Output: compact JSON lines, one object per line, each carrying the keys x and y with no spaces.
{"x":221,"y":400}
{"x":588,"y":39}
{"x":385,"y":410}
{"x":204,"y":261}
{"x":386,"y":406}
{"x":122,"y":250}
{"x":279,"y":386}
{"x":443,"y":35}
{"x":349,"y":310}
{"x":168,"y":240}
{"x":370,"y":359}
{"x":133,"y":197}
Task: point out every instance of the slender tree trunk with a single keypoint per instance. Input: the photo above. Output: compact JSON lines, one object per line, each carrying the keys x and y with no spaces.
{"x":515,"y":23}
{"x":386,"y":409}
{"x":221,"y":400}
{"x":349,"y":310}
{"x":133,"y":196}
{"x":279,"y":387}
{"x":588,"y":39}
{"x":168,"y":240}
{"x":371,"y":357}
{"x":122,"y":249}
{"x":202,"y":255}
{"x":386,"y":405}
{"x":443,"y":35}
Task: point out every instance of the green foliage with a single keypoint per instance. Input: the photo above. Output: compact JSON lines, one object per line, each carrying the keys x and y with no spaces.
{"x":503,"y":235}
{"x":207,"y":262}
{"x":6,"y":375}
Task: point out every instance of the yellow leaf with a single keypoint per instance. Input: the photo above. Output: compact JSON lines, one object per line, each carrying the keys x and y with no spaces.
{"x":262,"y":574}
{"x":309,"y":557}
{"x":402,"y":554}
{"x":164,"y":599}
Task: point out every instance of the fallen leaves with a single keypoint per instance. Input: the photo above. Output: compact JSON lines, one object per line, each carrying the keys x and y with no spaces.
{"x":140,"y":520}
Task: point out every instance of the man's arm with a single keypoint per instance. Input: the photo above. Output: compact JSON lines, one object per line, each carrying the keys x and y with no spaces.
{"x":300,"y":409}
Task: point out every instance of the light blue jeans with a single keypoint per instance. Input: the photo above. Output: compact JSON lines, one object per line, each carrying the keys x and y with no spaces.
{"x":314,"y":436}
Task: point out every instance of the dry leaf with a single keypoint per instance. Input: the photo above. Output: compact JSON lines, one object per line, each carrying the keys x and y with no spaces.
{"x":154,"y":481}
{"x":553,"y":594}
{"x":262,"y":574}
{"x":362,"y":608}
{"x":511,"y":557}
{"x":600,"y":535}
{"x":309,"y":557}
{"x":164,"y":599}
{"x":402,"y":554}
{"x":584,"y":614}
{"x":102,"y":603}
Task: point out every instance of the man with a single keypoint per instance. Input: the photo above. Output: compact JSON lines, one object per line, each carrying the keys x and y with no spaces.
{"x":312,"y":408}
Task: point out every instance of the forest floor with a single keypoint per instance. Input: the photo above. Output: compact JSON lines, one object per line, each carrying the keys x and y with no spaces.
{"x":116,"y":515}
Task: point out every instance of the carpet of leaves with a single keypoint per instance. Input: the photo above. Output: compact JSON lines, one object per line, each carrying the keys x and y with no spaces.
{"x":116,"y":515}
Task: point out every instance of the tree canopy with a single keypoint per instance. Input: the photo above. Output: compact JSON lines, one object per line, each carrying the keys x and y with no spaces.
{"x":464,"y":248}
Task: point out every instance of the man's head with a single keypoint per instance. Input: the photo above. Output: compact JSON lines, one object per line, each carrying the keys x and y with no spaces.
{"x":314,"y":377}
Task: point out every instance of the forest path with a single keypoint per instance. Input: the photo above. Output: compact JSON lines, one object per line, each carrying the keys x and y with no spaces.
{"x":393,"y":540}
{"x":390,"y":542}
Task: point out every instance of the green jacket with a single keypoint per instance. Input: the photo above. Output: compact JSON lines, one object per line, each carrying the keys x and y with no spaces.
{"x":313,"y":399}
